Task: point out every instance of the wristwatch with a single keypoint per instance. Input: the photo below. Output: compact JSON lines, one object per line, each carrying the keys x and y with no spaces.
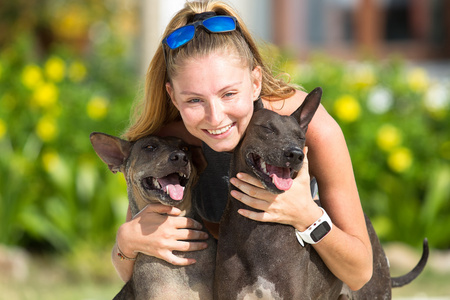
{"x":316,"y":232}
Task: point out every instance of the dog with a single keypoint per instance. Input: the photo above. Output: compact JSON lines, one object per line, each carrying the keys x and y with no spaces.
{"x":159,"y":170}
{"x":257,"y":260}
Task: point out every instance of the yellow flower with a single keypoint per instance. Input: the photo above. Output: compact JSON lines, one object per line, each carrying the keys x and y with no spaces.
{"x":32,"y":76}
{"x":50,"y":159}
{"x":3,"y":129}
{"x":47,"y":129}
{"x":347,"y":108}
{"x":45,"y":95}
{"x":400,"y":159}
{"x":77,"y":71}
{"x":97,"y":108}
{"x":361,"y":76}
{"x":72,"y":22}
{"x":388,"y":137}
{"x":55,"y":68}
{"x":418,"y":80}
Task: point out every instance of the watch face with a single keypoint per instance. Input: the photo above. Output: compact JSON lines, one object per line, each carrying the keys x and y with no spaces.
{"x":320,"y":231}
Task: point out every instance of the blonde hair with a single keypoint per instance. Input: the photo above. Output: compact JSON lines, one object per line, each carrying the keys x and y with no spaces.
{"x":156,"y":110}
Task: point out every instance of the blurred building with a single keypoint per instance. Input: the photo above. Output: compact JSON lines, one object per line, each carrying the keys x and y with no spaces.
{"x":417,"y":29}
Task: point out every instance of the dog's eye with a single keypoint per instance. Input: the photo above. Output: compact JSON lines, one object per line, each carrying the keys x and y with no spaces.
{"x":185,"y":148}
{"x":150,"y":147}
{"x":267,"y":128}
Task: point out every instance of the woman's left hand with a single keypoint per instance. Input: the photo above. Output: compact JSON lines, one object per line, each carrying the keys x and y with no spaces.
{"x":293,"y":207}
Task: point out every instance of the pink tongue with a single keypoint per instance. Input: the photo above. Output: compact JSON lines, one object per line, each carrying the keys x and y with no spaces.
{"x":280,"y":177}
{"x":175,"y":191}
{"x":171,"y":183}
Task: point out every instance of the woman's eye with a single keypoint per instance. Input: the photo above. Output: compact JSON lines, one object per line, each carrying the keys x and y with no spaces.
{"x":194,"y":101}
{"x":228,"y":95}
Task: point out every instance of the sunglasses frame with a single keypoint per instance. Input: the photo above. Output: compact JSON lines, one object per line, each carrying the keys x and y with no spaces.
{"x":197,"y":24}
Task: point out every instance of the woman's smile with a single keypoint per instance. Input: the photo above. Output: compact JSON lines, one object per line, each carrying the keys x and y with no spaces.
{"x":220,"y":131}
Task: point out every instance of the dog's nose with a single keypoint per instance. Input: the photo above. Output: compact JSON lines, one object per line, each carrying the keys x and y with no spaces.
{"x":179,"y":158}
{"x":294,"y":155}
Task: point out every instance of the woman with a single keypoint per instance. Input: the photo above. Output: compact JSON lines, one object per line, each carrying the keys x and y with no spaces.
{"x":200,"y":86}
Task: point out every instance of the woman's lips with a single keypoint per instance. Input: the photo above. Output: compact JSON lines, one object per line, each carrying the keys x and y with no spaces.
{"x":220,"y":130}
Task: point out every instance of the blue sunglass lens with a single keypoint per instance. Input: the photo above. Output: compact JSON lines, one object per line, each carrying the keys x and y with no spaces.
{"x":220,"y":24}
{"x":180,"y":36}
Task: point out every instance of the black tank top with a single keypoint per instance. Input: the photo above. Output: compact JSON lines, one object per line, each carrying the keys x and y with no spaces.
{"x":210,"y":194}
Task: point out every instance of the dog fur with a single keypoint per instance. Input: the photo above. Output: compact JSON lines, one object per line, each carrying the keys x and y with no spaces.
{"x":159,"y":170}
{"x":257,"y":260}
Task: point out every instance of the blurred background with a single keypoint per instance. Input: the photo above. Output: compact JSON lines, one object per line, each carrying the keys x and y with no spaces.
{"x":68,"y":68}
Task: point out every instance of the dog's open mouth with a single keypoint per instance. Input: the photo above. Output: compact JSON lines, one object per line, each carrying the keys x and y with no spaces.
{"x":172,"y":184}
{"x":270,"y":175}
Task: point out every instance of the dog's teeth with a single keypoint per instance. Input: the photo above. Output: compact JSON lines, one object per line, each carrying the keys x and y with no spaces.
{"x":156,"y":183}
{"x":263,"y":167}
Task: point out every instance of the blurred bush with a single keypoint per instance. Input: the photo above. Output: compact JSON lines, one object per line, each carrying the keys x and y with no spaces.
{"x":395,"y":118}
{"x":67,"y":70}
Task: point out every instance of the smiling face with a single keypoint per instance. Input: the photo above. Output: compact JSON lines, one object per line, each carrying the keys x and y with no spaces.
{"x":215,"y":95}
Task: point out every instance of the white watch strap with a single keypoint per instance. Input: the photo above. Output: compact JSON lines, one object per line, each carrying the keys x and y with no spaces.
{"x":305,"y":236}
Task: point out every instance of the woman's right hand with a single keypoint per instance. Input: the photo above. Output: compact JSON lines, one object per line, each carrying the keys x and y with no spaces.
{"x":157,"y":231}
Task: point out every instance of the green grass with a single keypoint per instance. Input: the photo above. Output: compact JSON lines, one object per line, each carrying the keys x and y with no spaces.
{"x":57,"y":278}
{"x":52,"y":278}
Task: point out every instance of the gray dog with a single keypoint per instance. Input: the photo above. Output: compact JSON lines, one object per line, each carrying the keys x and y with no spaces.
{"x":257,"y":260}
{"x":159,"y":170}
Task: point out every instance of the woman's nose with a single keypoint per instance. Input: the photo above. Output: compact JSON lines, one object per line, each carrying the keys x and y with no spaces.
{"x":214,"y":113}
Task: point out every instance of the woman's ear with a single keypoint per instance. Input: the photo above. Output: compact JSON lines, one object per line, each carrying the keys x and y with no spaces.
{"x":169,"y":90}
{"x":256,"y":82}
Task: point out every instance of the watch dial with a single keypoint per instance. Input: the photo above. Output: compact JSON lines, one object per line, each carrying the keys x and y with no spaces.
{"x":320,"y":231}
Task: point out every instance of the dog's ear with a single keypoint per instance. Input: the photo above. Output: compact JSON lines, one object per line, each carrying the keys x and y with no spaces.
{"x":112,"y":150}
{"x":306,"y":111}
{"x":258,"y":104}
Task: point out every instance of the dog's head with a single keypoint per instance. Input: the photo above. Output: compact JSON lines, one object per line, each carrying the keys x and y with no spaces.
{"x":156,"y":169}
{"x":272,"y":147}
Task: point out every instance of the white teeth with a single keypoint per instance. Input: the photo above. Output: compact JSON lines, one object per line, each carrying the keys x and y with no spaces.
{"x":167,"y":190}
{"x":263,"y":167}
{"x":156,"y":183}
{"x":182,"y":175}
{"x":220,"y":131}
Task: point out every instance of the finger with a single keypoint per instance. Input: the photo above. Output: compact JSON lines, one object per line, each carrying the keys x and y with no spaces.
{"x":183,"y":222}
{"x":178,"y":261}
{"x":160,"y":209}
{"x":187,"y":234}
{"x":163,"y":209}
{"x":249,"y":179}
{"x":256,"y":216}
{"x":251,"y":190}
{"x":250,"y":201}
{"x":186,"y":246}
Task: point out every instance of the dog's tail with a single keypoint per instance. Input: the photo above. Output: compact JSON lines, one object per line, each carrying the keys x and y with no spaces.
{"x":407,"y":278}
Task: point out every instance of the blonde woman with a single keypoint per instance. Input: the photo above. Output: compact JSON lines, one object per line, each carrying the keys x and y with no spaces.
{"x":200,"y":86}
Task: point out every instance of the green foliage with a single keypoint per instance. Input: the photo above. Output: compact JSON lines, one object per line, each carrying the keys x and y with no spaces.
{"x":396,"y":122}
{"x":55,"y":192}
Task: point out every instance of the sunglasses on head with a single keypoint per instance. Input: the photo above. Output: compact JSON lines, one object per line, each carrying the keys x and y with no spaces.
{"x":183,"y":35}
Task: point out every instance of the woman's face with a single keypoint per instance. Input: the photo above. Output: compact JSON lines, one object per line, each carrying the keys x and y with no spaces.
{"x":215,"y":95}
